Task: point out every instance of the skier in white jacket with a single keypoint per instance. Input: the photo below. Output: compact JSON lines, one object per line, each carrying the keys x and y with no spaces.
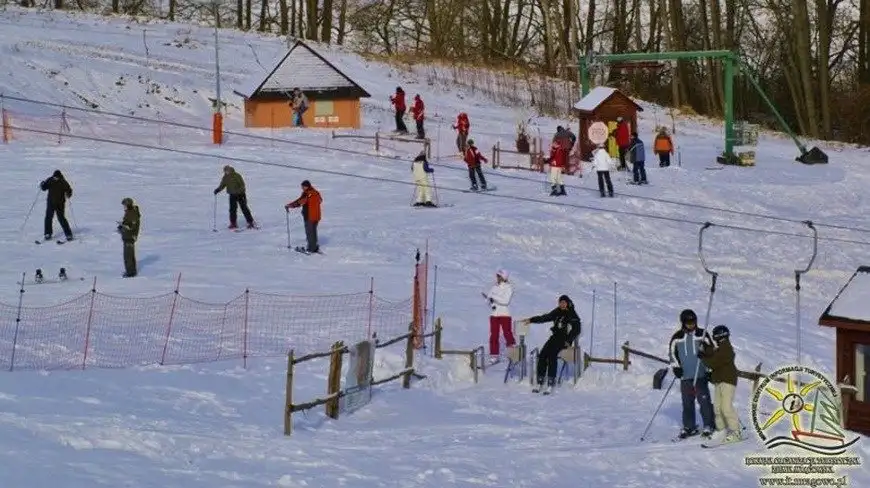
{"x":499,"y":298}
{"x":421,"y":169}
{"x":603,"y":163}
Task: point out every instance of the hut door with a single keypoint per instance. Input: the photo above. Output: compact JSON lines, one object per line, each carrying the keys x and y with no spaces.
{"x":862,"y":367}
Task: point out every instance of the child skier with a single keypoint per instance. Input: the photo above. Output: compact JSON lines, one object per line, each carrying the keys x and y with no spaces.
{"x":473,"y":159}
{"x":566,"y":328}
{"x":398,"y":101}
{"x":683,"y":350}
{"x":664,"y":147}
{"x":603,"y":163}
{"x":558,"y":161}
{"x":718,"y":355}
{"x":499,"y":298}
{"x":418,"y":110}
{"x":423,"y":191}
{"x":637,"y":156}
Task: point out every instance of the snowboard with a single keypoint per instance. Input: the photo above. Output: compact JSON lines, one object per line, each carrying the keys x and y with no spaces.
{"x":714,"y":444}
{"x":488,"y":189}
{"x":301,"y":249}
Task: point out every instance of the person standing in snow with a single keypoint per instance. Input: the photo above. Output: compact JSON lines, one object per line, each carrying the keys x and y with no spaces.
{"x":421,"y":169}
{"x":719,"y":357}
{"x":566,"y":328}
{"x":602,"y":162}
{"x":571,"y":138}
{"x":418,"y":111}
{"x":310,"y":201}
{"x":128,"y":227}
{"x":558,"y":161}
{"x":398,"y":101}
{"x":299,"y":104}
{"x":637,"y":156}
{"x":683,"y":351}
{"x":663,"y":146}
{"x":463,"y":126}
{"x":499,"y":298}
{"x":473,"y":159}
{"x":235,"y":185}
{"x":59,"y":190}
{"x":622,"y":134}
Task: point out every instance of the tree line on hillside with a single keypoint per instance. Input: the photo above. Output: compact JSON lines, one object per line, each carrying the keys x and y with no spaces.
{"x":812,"y":58}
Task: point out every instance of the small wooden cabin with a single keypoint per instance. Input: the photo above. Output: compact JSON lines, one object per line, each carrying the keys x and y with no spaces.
{"x":334,"y":98}
{"x":603,"y":104}
{"x":849,"y":314}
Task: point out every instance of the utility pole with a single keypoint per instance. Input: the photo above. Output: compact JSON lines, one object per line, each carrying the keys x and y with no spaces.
{"x":217,"y":118}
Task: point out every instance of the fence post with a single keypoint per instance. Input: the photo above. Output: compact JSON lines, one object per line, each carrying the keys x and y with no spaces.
{"x":438,"y":338}
{"x":371,"y":306}
{"x":17,"y":323}
{"x":626,"y":355}
{"x":409,"y":357}
{"x":377,"y":142}
{"x":587,"y":360}
{"x":245,"y":330}
{"x":90,"y":321}
{"x":494,"y":155}
{"x":288,"y":395}
{"x":333,"y":385}
{"x":472,"y":359}
{"x":169,"y":324}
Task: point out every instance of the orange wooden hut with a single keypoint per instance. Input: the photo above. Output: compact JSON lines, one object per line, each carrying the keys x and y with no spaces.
{"x":603,"y":104}
{"x":334,"y":98}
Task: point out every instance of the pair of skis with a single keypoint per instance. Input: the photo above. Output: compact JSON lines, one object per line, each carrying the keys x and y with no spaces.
{"x":39,"y":278}
{"x":58,"y":241}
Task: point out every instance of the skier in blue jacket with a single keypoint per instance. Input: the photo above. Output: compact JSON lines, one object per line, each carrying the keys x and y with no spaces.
{"x":683,"y":350}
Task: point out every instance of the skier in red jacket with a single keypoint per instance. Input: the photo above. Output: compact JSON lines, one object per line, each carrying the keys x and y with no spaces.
{"x":622,"y":134}
{"x":558,"y":161}
{"x":473,"y":159}
{"x":398,"y":101}
{"x":417,"y":110}
{"x":463,"y":126}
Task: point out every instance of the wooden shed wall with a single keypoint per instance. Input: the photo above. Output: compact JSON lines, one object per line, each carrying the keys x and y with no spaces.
{"x":338,"y":113}
{"x":613,"y":107}
{"x":858,"y":414}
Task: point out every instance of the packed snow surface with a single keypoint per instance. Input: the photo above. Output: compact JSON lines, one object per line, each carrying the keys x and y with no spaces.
{"x":220,"y":424}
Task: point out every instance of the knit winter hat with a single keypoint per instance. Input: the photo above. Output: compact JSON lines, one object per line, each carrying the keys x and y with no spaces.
{"x":57,"y":174}
{"x":503,"y":273}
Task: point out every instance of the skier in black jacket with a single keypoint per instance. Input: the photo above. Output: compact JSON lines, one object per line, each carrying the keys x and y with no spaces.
{"x":565,"y":329}
{"x":59,"y":191}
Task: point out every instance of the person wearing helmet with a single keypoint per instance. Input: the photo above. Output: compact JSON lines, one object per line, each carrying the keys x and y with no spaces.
{"x":719,"y":357}
{"x":128,"y":227}
{"x":566,"y":328}
{"x":683,"y":349}
{"x":473,"y":159}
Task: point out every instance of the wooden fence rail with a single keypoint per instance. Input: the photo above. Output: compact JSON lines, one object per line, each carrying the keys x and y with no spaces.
{"x":476,"y":361}
{"x":627,"y":351}
{"x":334,"y":391}
{"x":535,"y":157}
{"x":378,"y":137}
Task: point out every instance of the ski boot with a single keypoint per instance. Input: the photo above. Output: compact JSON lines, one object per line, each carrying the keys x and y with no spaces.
{"x":554,"y":191}
{"x":707,"y":433}
{"x":62,"y":274}
{"x":474,"y":188}
{"x":686,"y":433}
{"x":39,"y":278}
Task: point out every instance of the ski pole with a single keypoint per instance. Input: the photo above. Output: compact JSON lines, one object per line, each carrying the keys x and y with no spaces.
{"x":287,"y":219}
{"x":27,"y":217}
{"x":435,"y":189}
{"x":655,"y":414}
{"x":214,"y":216}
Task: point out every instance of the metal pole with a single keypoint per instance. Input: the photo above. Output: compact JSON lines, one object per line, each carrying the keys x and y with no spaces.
{"x":728,"y":61}
{"x":797,"y":285}
{"x":217,"y":57}
{"x":584,"y":75}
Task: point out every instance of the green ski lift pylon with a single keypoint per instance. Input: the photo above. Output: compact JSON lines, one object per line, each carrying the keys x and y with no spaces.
{"x":731,"y":64}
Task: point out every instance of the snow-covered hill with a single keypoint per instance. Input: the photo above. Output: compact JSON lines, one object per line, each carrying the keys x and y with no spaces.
{"x":219,"y":425}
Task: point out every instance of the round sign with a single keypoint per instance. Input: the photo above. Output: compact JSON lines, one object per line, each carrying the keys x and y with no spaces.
{"x":597,"y":132}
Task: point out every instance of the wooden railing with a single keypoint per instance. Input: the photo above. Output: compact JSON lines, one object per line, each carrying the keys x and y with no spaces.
{"x":334,"y":391}
{"x":378,"y":137}
{"x":535,"y":158}
{"x":627,"y":351}
{"x":476,"y":359}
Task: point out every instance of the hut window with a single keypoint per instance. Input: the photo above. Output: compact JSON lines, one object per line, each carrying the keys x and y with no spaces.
{"x":324,"y":108}
{"x":862,"y":367}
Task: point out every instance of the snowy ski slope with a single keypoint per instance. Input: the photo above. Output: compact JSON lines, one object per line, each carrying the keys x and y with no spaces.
{"x":218,"y":425}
